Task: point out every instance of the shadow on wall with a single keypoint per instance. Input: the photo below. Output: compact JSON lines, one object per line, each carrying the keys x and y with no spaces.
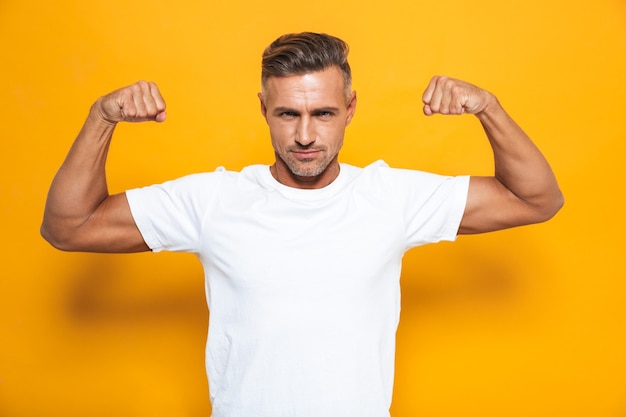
{"x":110,"y":288}
{"x":469,"y":273}
{"x":484,"y":283}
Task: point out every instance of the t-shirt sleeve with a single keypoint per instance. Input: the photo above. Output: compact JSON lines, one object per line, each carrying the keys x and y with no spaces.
{"x":432,"y":205}
{"x":437,"y":212}
{"x":170,"y":215}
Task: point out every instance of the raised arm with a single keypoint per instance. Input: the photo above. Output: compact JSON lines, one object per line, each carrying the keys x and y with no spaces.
{"x":80,"y":215}
{"x":523,"y":189}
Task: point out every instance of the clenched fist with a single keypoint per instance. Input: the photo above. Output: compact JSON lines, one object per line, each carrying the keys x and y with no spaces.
{"x":139,"y":102}
{"x":446,"y":95}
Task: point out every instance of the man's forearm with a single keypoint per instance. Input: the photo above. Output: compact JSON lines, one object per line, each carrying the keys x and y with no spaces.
{"x":80,"y":184}
{"x":519,"y":165}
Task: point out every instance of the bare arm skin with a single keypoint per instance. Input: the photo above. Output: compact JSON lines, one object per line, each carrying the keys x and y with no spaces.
{"x":523,"y":189}
{"x":80,"y":215}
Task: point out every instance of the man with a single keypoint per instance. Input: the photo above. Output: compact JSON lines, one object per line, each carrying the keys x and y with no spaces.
{"x":302,"y":258}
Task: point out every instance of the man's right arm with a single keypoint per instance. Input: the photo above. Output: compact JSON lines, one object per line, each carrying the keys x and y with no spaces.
{"x":80,"y":214}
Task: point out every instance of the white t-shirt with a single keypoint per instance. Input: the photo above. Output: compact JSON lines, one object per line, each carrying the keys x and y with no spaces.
{"x":302,"y":285}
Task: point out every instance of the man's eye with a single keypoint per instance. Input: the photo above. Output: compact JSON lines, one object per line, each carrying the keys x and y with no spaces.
{"x":288,"y":114}
{"x":325,"y":114}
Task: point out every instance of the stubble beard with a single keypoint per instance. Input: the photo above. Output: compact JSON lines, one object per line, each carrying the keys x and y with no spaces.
{"x":308,"y":167}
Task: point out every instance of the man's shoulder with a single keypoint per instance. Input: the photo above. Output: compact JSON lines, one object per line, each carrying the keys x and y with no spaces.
{"x":382,"y":169}
{"x":221,"y":174}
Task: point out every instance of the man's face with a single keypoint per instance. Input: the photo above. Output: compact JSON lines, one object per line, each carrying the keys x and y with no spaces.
{"x":307,"y":116}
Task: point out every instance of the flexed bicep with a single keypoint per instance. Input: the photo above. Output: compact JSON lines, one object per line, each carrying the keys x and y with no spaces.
{"x":109,"y":229}
{"x":492,"y":206}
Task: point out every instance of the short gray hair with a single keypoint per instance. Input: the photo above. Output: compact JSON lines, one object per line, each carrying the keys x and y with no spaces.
{"x":302,"y":53}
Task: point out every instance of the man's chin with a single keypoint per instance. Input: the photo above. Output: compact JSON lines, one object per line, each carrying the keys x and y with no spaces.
{"x":306,"y":174}
{"x":306,"y":171}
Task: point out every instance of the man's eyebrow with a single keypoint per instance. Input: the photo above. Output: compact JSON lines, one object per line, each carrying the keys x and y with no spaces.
{"x":279,"y":110}
{"x":329,"y":109}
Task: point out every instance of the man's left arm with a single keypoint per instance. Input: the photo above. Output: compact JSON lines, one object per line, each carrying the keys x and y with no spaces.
{"x":523,"y":189}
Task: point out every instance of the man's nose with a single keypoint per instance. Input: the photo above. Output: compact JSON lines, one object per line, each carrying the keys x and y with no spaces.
{"x":305,"y":134}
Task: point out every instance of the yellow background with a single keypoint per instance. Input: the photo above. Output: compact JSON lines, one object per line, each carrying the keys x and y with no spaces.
{"x":526,"y":322}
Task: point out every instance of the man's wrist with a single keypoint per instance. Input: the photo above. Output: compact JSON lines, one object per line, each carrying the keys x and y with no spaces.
{"x":491,"y":108}
{"x":98,"y":115}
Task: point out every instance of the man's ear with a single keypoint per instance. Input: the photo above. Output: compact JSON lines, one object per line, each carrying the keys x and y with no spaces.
{"x":351,"y":108}
{"x":263,"y":108}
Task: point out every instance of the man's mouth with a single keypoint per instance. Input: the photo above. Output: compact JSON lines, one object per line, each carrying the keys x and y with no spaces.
{"x":305,"y":153}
